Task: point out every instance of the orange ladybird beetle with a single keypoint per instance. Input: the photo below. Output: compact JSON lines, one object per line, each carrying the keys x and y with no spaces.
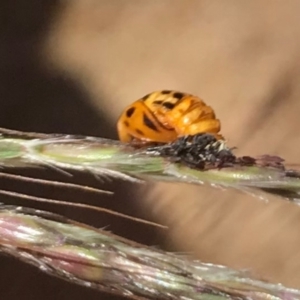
{"x":164,"y":116}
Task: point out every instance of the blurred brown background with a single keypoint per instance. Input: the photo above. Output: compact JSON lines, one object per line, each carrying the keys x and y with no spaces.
{"x":72,"y":66}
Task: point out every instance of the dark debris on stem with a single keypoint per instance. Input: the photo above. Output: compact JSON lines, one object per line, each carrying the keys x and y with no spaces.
{"x":204,"y":152}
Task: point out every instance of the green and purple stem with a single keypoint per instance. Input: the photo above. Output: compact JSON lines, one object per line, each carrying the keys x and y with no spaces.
{"x":105,"y":157}
{"x":97,"y":259}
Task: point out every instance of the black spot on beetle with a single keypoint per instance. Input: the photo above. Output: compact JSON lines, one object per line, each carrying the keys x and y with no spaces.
{"x":158,"y":102}
{"x":146,"y":97}
{"x":178,"y":95}
{"x":168,"y":105}
{"x":165,"y":92}
{"x":130,"y":112}
{"x":138,"y":131}
{"x":149,"y":123}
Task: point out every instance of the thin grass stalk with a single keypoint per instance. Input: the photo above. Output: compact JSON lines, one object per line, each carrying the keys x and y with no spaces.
{"x":107,"y":158}
{"x":97,"y":259}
